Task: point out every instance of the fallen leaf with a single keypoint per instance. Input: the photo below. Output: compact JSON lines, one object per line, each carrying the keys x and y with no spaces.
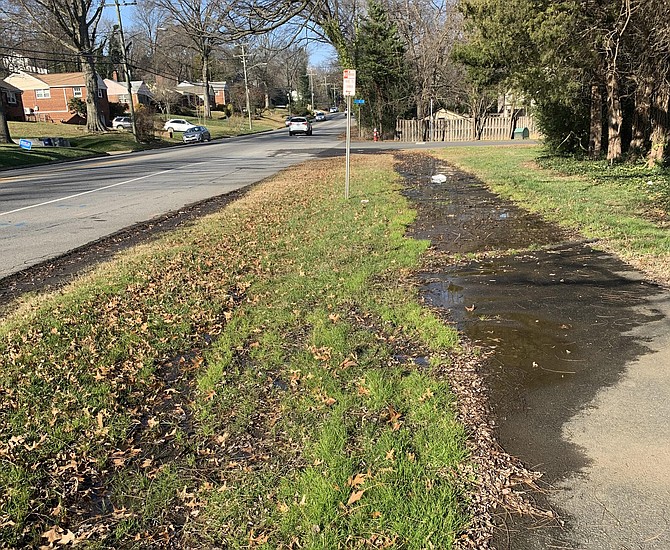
{"x":355,"y":497}
{"x":356,"y":480}
{"x":471,"y":308}
{"x":53,"y":534}
{"x":67,"y":538}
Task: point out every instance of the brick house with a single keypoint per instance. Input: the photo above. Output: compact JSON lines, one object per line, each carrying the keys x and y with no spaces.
{"x":13,"y":102}
{"x":45,"y":96}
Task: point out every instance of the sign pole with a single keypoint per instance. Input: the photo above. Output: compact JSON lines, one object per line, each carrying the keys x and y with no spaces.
{"x":349,"y":91}
{"x":348,"y":149}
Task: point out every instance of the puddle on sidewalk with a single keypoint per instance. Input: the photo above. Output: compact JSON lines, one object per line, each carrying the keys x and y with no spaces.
{"x":558,"y":316}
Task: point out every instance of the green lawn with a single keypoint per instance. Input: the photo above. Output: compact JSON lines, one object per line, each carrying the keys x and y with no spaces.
{"x":263,"y":378}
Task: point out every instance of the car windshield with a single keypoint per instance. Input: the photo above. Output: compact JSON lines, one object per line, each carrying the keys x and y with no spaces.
{"x":298,"y":119}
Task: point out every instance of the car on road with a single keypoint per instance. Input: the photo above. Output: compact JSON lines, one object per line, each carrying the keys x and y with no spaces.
{"x":197,"y":133}
{"x":319,"y":116}
{"x":333,"y":109}
{"x":122,"y":123}
{"x":287,"y":120}
{"x":299,"y":125}
{"x":178,"y":125}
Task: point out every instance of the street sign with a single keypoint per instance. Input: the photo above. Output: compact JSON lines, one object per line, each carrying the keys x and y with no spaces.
{"x":25,"y":144}
{"x":359,"y":101}
{"x":349,"y":82}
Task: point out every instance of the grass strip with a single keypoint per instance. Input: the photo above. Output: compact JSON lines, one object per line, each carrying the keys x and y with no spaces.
{"x":625,"y":207}
{"x":262,"y":378}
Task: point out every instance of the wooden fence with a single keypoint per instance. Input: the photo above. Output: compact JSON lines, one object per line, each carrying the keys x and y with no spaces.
{"x":496,"y":128}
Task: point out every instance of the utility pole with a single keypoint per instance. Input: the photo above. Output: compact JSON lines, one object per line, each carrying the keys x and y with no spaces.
{"x":310,"y":74}
{"x":126,"y":67}
{"x":325,"y":85}
{"x":246,"y":85}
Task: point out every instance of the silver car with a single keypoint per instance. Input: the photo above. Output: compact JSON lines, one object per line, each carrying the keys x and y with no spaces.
{"x":197,"y":133}
{"x":122,"y":123}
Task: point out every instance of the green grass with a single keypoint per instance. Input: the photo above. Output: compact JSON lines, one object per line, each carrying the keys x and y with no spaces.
{"x":626,"y":207}
{"x":248,"y":380}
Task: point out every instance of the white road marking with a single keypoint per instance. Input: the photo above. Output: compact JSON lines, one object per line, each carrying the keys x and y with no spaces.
{"x":89,"y":191}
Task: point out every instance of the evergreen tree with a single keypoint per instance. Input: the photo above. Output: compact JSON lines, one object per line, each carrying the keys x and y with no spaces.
{"x":382,"y":76}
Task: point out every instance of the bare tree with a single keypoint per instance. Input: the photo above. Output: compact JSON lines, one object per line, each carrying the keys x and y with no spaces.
{"x":211,"y":23}
{"x":76,"y":22}
{"x":429,"y":29}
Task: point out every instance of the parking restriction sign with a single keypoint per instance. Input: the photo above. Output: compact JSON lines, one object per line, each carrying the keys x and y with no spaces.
{"x":349,"y":82}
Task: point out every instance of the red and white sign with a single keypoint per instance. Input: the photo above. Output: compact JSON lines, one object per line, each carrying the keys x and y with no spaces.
{"x":349,"y":82}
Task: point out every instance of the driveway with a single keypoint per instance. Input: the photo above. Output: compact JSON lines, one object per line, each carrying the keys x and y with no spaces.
{"x":579,"y":376}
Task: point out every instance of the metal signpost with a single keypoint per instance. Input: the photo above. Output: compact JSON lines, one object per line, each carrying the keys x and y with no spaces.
{"x":349,"y":90}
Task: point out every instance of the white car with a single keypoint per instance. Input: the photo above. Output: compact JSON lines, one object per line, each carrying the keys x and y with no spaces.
{"x":319,"y":116}
{"x":299,"y":125}
{"x":178,"y":125}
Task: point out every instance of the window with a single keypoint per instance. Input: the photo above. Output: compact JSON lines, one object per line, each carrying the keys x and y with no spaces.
{"x":77,"y":91}
{"x":99,"y":93}
{"x":11,"y":97}
{"x":43,"y":94}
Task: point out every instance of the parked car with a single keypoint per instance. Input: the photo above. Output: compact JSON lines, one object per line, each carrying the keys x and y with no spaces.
{"x":178,"y":125}
{"x":197,"y":133}
{"x":122,"y":123}
{"x":299,"y":125}
{"x":319,"y":116}
{"x":333,"y":109}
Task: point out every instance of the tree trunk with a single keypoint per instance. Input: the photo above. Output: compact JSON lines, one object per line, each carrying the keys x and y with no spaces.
{"x":641,"y":118}
{"x":614,"y":118}
{"x":596,"y":124}
{"x":659,"y":124}
{"x":5,"y":137}
{"x":94,"y":122}
{"x":207,"y":107}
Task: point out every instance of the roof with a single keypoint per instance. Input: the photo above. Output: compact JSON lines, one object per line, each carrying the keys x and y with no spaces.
{"x":33,"y":81}
{"x":120,"y":88}
{"x":7,"y":86}
{"x":192,"y":88}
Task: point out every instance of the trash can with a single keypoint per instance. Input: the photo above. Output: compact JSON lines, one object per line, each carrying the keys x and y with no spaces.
{"x":521,"y":133}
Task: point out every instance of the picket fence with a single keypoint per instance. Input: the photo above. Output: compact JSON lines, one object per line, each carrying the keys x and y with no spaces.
{"x":497,"y":128}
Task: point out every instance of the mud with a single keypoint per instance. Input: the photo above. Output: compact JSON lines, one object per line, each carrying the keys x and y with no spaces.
{"x":563,"y":321}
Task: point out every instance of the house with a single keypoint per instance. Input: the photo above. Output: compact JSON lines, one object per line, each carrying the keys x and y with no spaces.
{"x":46,"y":96}
{"x":117,"y":92}
{"x":13,"y":102}
{"x":193,"y":93}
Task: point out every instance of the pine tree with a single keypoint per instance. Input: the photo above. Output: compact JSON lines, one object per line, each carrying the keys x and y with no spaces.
{"x":382,"y":76}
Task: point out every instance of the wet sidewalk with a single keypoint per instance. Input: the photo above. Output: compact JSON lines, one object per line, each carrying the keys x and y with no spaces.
{"x":580,"y":375}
